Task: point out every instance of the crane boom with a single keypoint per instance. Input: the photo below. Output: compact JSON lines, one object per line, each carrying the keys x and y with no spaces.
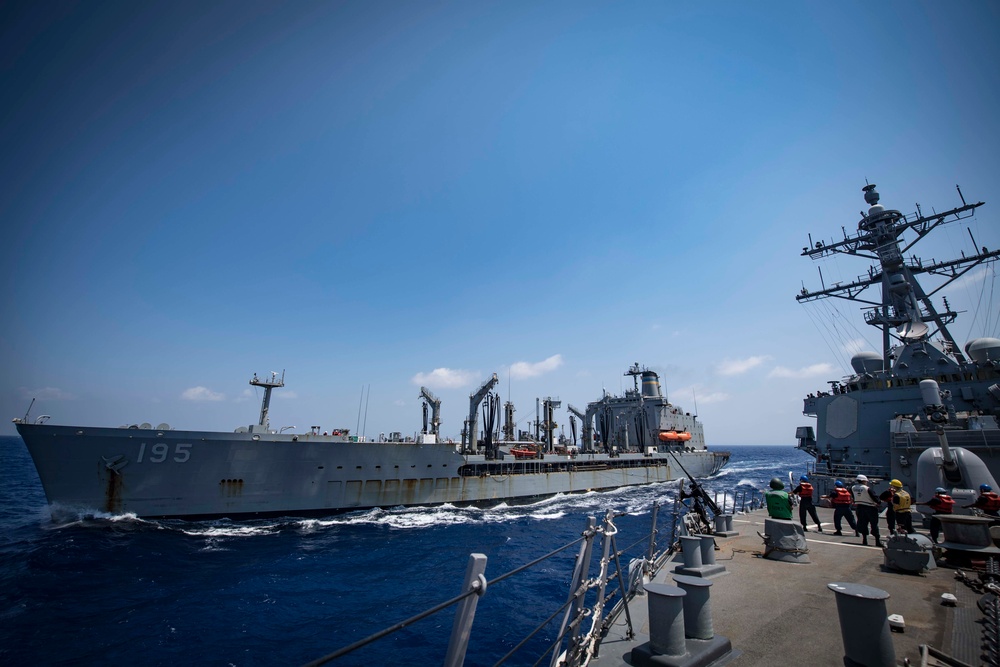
{"x":435,"y":404}
{"x":473,"y":422}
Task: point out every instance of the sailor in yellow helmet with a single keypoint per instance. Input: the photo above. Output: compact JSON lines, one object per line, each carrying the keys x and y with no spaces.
{"x":902,"y":506}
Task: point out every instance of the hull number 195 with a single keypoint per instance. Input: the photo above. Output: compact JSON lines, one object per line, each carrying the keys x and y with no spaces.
{"x":160,"y":452}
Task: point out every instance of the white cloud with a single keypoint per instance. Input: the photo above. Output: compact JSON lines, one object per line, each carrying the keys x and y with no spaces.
{"x":444,"y":378}
{"x":740,"y":366}
{"x":687,"y":396}
{"x":47,"y":394}
{"x":202,"y":394}
{"x":713,"y":397}
{"x":522,"y":369}
{"x":823,"y":370}
{"x":970,"y":280}
{"x":287,"y":394}
{"x":856,"y":345}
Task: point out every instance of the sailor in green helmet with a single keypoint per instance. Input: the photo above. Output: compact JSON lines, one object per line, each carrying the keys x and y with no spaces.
{"x":779,"y":505}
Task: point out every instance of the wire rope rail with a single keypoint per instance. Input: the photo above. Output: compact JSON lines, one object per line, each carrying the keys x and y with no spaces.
{"x":574,"y":644}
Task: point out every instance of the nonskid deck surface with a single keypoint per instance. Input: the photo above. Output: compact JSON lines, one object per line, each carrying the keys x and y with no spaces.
{"x":783,"y":612}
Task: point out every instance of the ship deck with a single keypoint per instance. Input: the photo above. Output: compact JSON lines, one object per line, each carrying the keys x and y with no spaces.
{"x":773,"y":610}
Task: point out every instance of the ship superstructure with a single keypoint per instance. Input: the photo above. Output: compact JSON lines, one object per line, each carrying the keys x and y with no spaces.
{"x":922,"y":390}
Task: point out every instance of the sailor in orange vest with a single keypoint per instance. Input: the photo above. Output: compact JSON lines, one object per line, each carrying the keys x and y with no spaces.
{"x":805,"y":493}
{"x":941,"y":503}
{"x":988,"y":501}
{"x":842,"y":500}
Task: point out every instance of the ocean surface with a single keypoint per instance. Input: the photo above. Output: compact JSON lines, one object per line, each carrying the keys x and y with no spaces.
{"x":120,"y":590}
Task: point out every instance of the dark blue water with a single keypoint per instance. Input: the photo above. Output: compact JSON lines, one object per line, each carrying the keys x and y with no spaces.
{"x":118,"y":590}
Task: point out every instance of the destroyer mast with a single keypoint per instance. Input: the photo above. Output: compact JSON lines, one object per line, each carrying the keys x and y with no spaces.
{"x":905,"y":309}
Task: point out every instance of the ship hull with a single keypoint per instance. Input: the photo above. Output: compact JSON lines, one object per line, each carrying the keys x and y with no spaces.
{"x":201,"y":474}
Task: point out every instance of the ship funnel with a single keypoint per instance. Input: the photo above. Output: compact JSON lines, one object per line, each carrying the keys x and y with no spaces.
{"x":651,"y":385}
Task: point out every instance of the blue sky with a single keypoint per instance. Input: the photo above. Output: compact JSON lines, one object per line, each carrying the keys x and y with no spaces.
{"x":384,"y":195}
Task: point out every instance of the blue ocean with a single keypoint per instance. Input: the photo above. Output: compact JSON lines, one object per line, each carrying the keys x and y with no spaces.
{"x":121,"y":590}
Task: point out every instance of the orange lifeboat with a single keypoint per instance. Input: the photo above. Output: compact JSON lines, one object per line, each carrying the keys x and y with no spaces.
{"x":524,"y":452}
{"x":674,"y":436}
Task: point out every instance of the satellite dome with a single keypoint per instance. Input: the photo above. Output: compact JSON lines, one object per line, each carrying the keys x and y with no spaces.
{"x":866,"y":362}
{"x":983,"y":350}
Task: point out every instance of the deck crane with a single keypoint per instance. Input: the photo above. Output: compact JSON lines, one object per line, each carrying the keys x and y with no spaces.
{"x":588,"y":429}
{"x":472,"y":423}
{"x":435,"y":403}
{"x":549,"y":404}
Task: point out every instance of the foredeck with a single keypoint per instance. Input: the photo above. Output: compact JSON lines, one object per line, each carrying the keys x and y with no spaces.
{"x":773,"y":610}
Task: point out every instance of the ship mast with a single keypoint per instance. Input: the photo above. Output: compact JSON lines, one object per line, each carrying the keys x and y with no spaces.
{"x":268,"y":385}
{"x":905,"y":307}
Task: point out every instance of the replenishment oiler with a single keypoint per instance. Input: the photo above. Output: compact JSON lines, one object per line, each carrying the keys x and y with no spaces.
{"x":637,"y":438}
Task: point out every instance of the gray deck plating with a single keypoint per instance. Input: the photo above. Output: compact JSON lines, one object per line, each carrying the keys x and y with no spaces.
{"x":772,"y":611}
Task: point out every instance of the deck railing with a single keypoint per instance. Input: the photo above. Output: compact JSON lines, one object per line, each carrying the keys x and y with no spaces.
{"x":609,"y":591}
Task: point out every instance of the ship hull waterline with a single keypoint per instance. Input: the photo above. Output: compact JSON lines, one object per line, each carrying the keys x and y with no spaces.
{"x":204,"y":475}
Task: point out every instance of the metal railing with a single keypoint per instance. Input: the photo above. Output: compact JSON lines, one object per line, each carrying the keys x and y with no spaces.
{"x":574,"y":644}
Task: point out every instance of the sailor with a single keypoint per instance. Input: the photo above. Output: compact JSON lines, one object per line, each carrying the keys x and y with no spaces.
{"x":988,"y":501}
{"x":805,"y":493}
{"x":842,"y":500}
{"x":890,"y":516}
{"x":866,"y":504}
{"x":901,"y":506}
{"x":779,"y":505}
{"x":941,"y":503}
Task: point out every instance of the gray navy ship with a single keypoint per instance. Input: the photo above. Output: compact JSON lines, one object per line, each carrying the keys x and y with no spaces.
{"x":923,"y":409}
{"x":638,"y":438}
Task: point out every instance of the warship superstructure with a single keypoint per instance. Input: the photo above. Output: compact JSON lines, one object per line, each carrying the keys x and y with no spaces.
{"x":915,"y":408}
{"x":257,"y":471}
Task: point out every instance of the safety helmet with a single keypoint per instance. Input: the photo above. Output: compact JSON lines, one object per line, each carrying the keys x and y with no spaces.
{"x":861,"y":478}
{"x":838,"y":483}
{"x":985,"y":488}
{"x":896,"y":484}
{"x":940,"y":489}
{"x":777,"y":484}
{"x":803,"y":479}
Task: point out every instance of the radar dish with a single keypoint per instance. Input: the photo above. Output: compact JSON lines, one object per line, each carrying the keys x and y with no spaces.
{"x":241,"y":429}
{"x":913,"y":331}
{"x":163,"y":427}
{"x":146,"y":425}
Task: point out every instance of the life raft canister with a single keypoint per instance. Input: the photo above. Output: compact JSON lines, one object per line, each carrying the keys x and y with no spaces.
{"x":841,"y":496}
